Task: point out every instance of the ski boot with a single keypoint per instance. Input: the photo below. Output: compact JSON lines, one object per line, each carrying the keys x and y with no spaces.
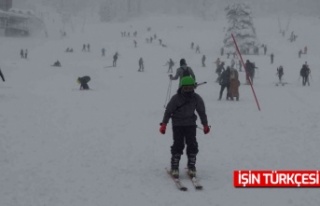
{"x":175,"y":159}
{"x":192,"y":165}
{"x":174,"y":173}
{"x":192,"y":172}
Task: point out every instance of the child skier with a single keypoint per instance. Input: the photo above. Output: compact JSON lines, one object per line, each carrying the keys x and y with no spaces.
{"x":181,"y":109}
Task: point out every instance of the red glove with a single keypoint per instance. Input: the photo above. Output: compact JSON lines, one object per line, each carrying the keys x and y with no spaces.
{"x":163,"y":128}
{"x":206,"y":129}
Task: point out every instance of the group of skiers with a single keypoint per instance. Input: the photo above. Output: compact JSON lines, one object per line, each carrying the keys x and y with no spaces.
{"x":86,"y":47}
{"x":305,"y":50}
{"x":24,"y":54}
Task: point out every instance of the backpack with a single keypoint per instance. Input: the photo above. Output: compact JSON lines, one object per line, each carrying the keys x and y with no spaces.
{"x":185,"y":71}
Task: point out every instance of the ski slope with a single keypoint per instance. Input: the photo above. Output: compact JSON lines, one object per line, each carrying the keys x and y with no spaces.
{"x":63,"y":147}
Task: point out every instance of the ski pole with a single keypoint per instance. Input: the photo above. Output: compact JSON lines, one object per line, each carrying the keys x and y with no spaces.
{"x":201,"y":83}
{"x":168,"y":93}
{"x":202,"y":128}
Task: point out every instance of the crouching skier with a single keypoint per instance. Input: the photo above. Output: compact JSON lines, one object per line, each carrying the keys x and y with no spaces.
{"x":83,"y":81}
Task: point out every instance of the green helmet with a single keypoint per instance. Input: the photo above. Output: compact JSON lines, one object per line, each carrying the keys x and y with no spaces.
{"x":187,"y":81}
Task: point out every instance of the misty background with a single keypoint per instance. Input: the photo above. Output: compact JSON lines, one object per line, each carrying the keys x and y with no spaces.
{"x":207,"y":9}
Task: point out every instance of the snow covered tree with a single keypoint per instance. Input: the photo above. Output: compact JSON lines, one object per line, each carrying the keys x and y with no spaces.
{"x":241,"y":26}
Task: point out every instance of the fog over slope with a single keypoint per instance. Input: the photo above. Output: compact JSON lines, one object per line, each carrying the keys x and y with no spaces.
{"x":260,"y":7}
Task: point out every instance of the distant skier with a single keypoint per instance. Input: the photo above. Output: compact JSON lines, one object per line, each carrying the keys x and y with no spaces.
{"x":234,"y":84}
{"x":300,"y":52}
{"x":203,"y":60}
{"x":115,"y":58}
{"x":183,"y":71}
{"x":305,"y":72}
{"x":26,"y":54}
{"x":198,"y":49}
{"x":170,"y":63}
{"x":280,"y":73}
{"x":219,"y":70}
{"x":103,"y":52}
{"x":250,"y":71}
{"x":21,"y":53}
{"x":224,"y":81}
{"x":88,"y":47}
{"x":305,"y":50}
{"x":57,"y":64}
{"x":271,"y":58}
{"x":181,"y":110}
{"x":221,"y":51}
{"x":84,"y":48}
{"x":141,"y":65}
{"x":83,"y":81}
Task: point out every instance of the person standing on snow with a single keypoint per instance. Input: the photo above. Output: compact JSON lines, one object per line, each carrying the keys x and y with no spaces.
{"x":181,"y":109}
{"x":224,"y":81}
{"x":280,"y":73}
{"x":115,"y":58}
{"x":203,"y":60}
{"x":183,"y":71}
{"x":141,"y":65}
{"x":304,"y":72}
{"x":170,"y":63}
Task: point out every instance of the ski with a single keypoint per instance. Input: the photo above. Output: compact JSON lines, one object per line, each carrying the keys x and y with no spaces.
{"x":195,"y":182}
{"x":281,"y":83}
{"x":177,"y":182}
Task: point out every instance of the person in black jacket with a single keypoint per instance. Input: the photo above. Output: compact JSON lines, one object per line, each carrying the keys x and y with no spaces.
{"x":250,"y":71}
{"x":181,"y":109}
{"x":224,"y":82}
{"x":83,"y":81}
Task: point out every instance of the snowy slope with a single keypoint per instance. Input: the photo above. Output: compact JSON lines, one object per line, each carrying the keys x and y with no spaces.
{"x":60,"y":146}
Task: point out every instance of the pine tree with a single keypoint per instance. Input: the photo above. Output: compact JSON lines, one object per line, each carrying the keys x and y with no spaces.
{"x":241,"y":26}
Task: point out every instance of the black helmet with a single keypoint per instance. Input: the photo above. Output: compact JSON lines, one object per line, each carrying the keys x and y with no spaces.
{"x":183,"y":62}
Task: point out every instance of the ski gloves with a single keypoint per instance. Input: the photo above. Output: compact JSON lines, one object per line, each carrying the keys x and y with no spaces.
{"x":163,"y":127}
{"x":206,"y":129}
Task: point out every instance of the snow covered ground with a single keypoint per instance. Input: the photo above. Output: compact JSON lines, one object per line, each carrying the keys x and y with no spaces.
{"x":63,"y":147}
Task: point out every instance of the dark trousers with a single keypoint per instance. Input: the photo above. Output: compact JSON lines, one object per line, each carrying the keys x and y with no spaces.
{"x":222,"y":89}
{"x":305,"y":80}
{"x":84,"y":86}
{"x":184,"y":135}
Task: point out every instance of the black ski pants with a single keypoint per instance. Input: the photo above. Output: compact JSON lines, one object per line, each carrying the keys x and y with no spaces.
{"x":184,"y":135}
{"x":223,"y":86}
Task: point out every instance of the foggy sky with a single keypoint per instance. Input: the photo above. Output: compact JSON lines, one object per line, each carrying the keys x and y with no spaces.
{"x":290,"y":7}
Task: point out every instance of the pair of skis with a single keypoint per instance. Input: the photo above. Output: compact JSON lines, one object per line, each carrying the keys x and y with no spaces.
{"x":180,"y":186}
